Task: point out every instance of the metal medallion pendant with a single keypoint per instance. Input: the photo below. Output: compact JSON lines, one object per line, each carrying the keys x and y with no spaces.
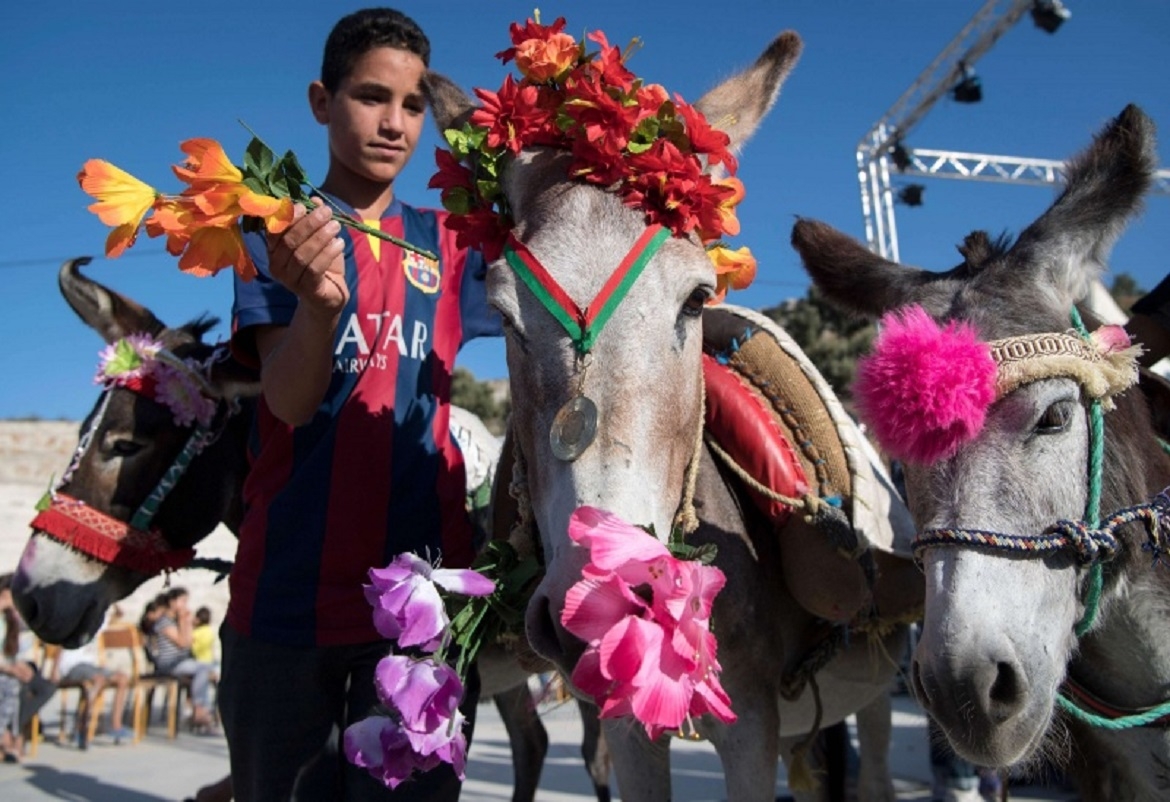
{"x":573,"y":429}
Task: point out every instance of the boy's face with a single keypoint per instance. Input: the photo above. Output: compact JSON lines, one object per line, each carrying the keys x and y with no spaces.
{"x":376,"y":115}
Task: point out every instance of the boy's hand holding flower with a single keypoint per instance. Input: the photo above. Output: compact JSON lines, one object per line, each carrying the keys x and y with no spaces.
{"x":308,"y":259}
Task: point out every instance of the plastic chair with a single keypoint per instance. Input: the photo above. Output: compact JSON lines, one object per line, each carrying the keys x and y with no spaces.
{"x":111,"y":641}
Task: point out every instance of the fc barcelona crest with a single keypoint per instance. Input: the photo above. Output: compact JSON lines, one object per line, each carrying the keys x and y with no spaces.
{"x":422,"y":272}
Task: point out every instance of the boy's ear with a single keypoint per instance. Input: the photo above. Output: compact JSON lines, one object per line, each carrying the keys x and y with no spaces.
{"x":319,"y":102}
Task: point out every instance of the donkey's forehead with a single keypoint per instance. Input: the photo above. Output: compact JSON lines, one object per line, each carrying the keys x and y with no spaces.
{"x":1005,"y":302}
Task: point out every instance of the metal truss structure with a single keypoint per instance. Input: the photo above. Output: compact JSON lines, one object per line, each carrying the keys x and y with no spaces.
{"x":1004,"y":169}
{"x":875,"y":160}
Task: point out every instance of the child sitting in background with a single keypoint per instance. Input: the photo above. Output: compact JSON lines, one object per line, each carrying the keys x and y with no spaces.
{"x":203,"y":637}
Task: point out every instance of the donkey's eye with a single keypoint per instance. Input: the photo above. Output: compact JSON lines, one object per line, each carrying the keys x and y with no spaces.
{"x":1056,"y":418}
{"x":693,"y":306}
{"x":124,"y":448}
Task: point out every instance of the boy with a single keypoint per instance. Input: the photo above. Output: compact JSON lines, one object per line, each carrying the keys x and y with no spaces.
{"x":352,"y":460}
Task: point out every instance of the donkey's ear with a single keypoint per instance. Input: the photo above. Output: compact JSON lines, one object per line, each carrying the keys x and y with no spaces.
{"x":737,"y":105}
{"x":1067,"y":247}
{"x":450,"y":104}
{"x":855,"y":278}
{"x":111,"y":315}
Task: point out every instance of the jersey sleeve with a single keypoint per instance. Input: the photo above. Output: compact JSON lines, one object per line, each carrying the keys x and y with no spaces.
{"x":261,"y":301}
{"x":479,"y":319}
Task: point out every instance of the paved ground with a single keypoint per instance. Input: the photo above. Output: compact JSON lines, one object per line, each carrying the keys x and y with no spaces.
{"x":160,"y":770}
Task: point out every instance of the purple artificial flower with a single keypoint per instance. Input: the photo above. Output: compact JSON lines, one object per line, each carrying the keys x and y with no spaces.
{"x":406,"y":601}
{"x":379,"y":745}
{"x":426,"y":693}
{"x":428,"y":728}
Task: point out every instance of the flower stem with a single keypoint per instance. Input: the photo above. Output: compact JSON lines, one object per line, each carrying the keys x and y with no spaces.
{"x":351,"y":222}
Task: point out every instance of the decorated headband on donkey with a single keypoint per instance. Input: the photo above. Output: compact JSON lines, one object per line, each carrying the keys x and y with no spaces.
{"x":142,"y":364}
{"x":925,"y":389}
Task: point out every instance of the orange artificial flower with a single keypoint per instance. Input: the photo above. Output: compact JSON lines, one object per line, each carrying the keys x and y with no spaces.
{"x":217,"y":187}
{"x":541,"y":60}
{"x":727,"y":206}
{"x":122,"y":201}
{"x":734,"y":270}
{"x":211,"y":249}
{"x":206,"y":163}
{"x":203,"y":225}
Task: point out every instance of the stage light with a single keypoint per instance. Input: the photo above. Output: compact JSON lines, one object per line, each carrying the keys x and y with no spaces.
{"x":969,"y":89}
{"x":911,"y":194}
{"x":1049,"y":14}
{"x":900,"y":156}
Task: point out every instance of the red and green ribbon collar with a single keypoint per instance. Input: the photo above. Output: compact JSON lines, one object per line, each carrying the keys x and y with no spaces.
{"x":583,"y":324}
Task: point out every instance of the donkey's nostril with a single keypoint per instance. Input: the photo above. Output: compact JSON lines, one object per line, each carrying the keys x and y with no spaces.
{"x":1007,"y":692}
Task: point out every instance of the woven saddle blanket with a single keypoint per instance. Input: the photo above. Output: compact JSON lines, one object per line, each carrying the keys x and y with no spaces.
{"x":774,"y":414}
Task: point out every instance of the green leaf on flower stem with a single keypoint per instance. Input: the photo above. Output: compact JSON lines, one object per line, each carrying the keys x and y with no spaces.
{"x":258,"y":159}
{"x":704,"y":553}
{"x":488,"y":189}
{"x":292,"y":167}
{"x":256,"y":184}
{"x":457,"y":200}
{"x":277,"y":185}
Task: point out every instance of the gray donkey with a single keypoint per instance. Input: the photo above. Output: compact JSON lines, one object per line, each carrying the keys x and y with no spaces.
{"x":1044,"y":632}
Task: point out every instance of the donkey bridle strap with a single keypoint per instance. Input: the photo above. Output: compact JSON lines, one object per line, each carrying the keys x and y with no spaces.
{"x":102,"y":537}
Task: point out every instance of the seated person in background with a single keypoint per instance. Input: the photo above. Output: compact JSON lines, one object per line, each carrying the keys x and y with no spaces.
{"x":23,"y":691}
{"x":203,"y":638}
{"x":172,"y":634}
{"x":150,"y":615}
{"x":80,"y":665}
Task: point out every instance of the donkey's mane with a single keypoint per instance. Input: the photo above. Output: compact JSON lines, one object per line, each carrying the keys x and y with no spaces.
{"x":201,"y":325}
{"x":979,"y":250}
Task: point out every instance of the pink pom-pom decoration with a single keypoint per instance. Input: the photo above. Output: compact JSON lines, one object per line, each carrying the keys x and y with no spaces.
{"x":925,"y":390}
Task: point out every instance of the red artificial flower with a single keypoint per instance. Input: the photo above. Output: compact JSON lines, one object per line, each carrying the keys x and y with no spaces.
{"x":610,"y":66}
{"x":529,"y":30}
{"x":481,"y":229}
{"x":704,"y":138}
{"x":452,"y":172}
{"x":600,"y":116}
{"x":511,"y":116}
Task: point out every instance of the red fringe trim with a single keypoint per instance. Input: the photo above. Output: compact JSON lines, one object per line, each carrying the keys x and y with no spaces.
{"x":95,"y":534}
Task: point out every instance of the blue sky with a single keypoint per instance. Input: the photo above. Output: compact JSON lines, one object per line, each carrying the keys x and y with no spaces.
{"x":127,"y":81}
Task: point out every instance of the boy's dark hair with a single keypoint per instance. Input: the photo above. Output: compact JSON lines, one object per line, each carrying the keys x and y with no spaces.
{"x":356,"y":34}
{"x":203,"y":615}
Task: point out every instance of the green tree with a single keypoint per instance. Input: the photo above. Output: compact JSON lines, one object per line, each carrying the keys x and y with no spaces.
{"x":833,"y":340}
{"x":477,"y":397}
{"x":1125,"y":290}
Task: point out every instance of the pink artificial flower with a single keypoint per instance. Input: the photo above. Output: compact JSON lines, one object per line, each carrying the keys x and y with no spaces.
{"x":182,"y":394}
{"x":652,"y":659}
{"x":128,"y":358}
{"x":925,"y":389}
{"x":406,"y":601}
{"x":1110,"y":339}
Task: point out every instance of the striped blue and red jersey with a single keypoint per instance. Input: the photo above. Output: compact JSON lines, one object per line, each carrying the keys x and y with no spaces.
{"x":376,"y":472}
